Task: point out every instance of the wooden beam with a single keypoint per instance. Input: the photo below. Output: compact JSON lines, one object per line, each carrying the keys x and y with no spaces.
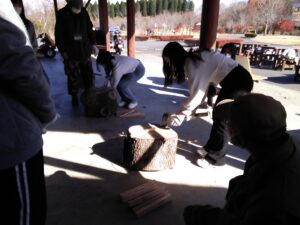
{"x":209,"y":23}
{"x":103,"y":21}
{"x":130,"y":28}
{"x":55,"y":7}
{"x":87,"y":4}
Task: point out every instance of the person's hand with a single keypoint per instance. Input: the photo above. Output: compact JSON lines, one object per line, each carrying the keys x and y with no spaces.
{"x":175,"y":120}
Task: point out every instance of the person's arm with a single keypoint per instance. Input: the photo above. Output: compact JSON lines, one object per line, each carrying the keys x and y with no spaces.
{"x":199,"y":77}
{"x":22,"y":75}
{"x":58,"y":33}
{"x":91,"y":33}
{"x":32,"y":35}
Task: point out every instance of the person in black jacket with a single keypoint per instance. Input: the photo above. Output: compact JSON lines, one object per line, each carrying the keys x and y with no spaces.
{"x":26,"y":109}
{"x":75,"y":41}
{"x":18,"y":5}
{"x":268,"y":190}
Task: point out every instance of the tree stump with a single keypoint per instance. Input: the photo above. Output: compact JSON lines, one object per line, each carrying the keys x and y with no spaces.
{"x":149,"y":147}
{"x":99,"y":102}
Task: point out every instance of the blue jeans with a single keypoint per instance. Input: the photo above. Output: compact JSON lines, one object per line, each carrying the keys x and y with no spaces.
{"x":128,"y":79}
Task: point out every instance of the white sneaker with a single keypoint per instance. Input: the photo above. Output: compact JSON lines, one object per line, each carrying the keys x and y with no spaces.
{"x":203,"y":163}
{"x":201,"y":152}
{"x":121,"y":104}
{"x":132,"y":105}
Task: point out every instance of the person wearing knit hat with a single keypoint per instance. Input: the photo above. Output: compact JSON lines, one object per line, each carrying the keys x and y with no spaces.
{"x":268,"y":190}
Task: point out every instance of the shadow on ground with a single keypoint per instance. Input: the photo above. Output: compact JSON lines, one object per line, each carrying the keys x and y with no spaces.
{"x":96,"y":201}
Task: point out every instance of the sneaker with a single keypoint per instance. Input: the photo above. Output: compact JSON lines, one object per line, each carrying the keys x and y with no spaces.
{"x":121,"y":103}
{"x":132,"y":105}
{"x":203,"y":163}
{"x":201,"y":152}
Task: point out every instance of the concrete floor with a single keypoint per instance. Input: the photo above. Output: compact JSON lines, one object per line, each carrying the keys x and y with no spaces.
{"x":84,"y":156}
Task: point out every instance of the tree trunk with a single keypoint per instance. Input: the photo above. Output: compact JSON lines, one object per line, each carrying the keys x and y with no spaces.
{"x":149,"y":147}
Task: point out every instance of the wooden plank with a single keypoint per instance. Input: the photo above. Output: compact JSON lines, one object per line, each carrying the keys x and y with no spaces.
{"x":145,"y":197}
{"x":152,"y":204}
{"x":137,"y":191}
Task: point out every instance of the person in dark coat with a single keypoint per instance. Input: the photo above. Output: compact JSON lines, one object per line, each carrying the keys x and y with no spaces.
{"x":75,"y":41}
{"x":26,"y":109}
{"x":19,"y":7}
{"x":268,"y":190}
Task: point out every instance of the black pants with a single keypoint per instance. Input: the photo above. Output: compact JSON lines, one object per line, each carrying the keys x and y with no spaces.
{"x":80,"y":75}
{"x":23,"y":193}
{"x":236,"y":83}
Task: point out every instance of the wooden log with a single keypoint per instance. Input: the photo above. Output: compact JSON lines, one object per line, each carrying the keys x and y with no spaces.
{"x":149,"y":147}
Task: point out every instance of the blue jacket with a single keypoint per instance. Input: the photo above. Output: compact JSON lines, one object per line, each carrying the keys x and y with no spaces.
{"x":25,"y":101}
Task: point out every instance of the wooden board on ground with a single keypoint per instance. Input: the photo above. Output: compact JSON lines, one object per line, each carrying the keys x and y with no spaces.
{"x":150,"y":147}
{"x":128,"y":113}
{"x":146,"y":197}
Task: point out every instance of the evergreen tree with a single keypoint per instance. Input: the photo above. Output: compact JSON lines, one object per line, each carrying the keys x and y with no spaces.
{"x":191,"y":6}
{"x":159,"y":7}
{"x":152,"y":7}
{"x":117,"y":9}
{"x":137,"y":6}
{"x":179,"y":7}
{"x":123,"y":11}
{"x":165,"y":5}
{"x":175,"y":5}
{"x":144,"y":7}
{"x":185,"y":6}
{"x":111,"y":10}
{"x":172,"y":6}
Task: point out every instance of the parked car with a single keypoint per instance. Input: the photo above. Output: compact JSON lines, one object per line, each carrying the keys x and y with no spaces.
{"x":46,"y":46}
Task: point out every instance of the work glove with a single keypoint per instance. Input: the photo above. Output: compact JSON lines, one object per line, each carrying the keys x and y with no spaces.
{"x":175,"y":120}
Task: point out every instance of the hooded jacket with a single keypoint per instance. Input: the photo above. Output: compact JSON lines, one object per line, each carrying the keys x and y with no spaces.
{"x":25,"y":100}
{"x":74,"y":33}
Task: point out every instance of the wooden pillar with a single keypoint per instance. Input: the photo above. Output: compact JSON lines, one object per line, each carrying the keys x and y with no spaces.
{"x":209,"y":23}
{"x":130,"y":28}
{"x":103,"y":21}
{"x":55,"y":7}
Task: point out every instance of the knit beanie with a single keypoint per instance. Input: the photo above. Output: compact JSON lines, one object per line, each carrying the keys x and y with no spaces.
{"x":258,"y":117}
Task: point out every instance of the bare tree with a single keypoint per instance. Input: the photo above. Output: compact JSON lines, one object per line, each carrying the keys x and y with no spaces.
{"x":268,"y":12}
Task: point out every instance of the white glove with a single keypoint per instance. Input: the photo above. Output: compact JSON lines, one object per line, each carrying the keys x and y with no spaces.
{"x":175,"y":120}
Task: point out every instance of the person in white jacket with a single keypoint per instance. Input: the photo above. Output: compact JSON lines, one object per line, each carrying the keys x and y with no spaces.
{"x":200,"y":69}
